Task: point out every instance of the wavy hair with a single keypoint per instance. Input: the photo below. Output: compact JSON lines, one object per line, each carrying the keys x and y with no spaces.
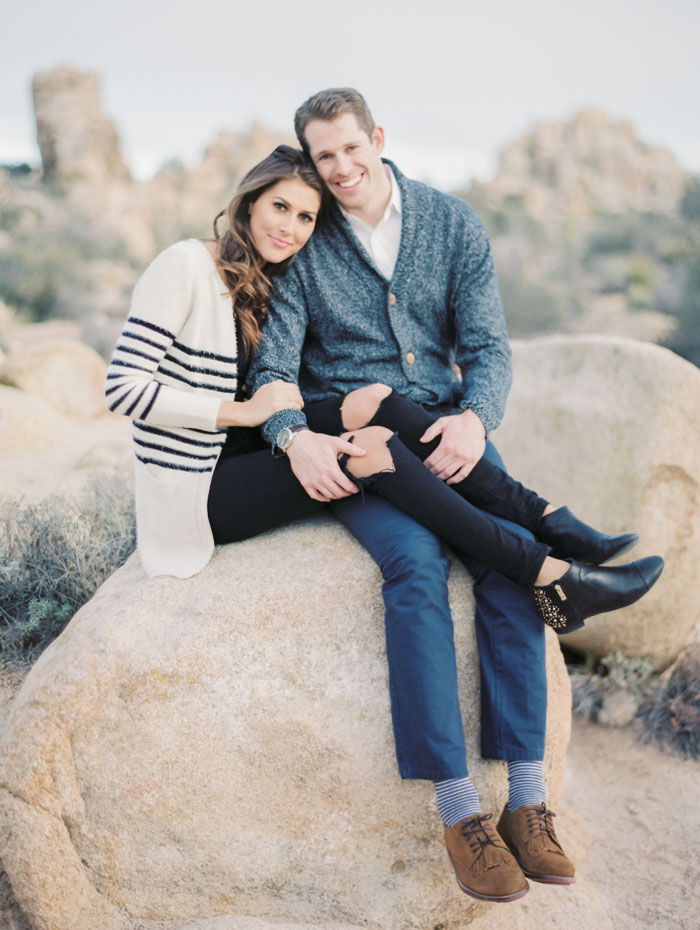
{"x":246,"y":274}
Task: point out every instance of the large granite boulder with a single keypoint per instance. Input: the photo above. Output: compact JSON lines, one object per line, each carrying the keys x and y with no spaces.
{"x":217,"y":753}
{"x":610,"y":427}
{"x":66,"y":373}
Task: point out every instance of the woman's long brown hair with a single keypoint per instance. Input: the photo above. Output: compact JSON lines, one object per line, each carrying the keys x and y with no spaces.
{"x":246,"y":274}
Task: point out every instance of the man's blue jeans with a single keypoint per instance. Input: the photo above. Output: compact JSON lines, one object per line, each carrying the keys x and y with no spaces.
{"x":420,"y":646}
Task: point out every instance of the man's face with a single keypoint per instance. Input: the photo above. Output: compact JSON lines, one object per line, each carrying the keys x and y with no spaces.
{"x":348,"y":160}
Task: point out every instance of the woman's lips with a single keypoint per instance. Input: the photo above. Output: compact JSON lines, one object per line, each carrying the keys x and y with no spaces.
{"x":280,"y":243}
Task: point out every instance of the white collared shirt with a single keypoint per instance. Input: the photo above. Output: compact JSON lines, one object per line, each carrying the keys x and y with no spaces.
{"x":382,"y":241}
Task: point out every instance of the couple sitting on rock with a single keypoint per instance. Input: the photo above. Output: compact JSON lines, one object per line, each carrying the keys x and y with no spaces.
{"x":381,"y":367}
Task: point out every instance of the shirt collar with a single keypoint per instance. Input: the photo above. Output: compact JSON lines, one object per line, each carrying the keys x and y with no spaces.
{"x":393,"y":205}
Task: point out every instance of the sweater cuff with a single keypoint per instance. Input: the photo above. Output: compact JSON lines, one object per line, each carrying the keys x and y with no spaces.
{"x":278,"y":421}
{"x":484,"y":412}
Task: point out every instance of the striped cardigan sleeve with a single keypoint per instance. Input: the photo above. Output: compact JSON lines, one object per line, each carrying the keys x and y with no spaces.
{"x":162,"y":301}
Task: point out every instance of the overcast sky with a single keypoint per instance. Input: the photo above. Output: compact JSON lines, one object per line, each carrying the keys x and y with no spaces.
{"x":451,"y":82}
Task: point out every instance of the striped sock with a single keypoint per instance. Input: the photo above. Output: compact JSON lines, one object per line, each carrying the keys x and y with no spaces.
{"x":525,"y":784}
{"x":456,"y":800}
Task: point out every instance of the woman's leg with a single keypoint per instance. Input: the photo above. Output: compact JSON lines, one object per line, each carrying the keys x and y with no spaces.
{"x":487,"y":486}
{"x":254,"y":492}
{"x":392,"y":471}
{"x":565,"y":594}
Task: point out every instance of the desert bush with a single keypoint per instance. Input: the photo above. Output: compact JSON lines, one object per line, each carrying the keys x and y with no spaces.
{"x":591,"y":683}
{"x":54,"y":555}
{"x":671,"y":716}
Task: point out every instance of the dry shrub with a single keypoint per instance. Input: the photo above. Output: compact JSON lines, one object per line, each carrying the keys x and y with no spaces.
{"x":672,"y":716}
{"x":53,"y":556}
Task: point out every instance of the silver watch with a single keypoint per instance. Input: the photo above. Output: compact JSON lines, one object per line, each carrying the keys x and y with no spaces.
{"x":285,"y":437}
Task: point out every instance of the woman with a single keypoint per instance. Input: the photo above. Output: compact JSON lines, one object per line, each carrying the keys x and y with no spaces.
{"x":177,"y":371}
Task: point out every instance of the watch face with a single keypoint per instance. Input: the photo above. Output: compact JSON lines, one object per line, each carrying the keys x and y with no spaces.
{"x":284,"y":438}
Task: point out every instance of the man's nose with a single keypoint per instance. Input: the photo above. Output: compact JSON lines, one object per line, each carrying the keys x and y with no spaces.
{"x":343,"y":164}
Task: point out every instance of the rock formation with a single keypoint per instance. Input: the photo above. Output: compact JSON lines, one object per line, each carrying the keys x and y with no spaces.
{"x":54,"y":429}
{"x":77,"y":143}
{"x":220,"y":749}
{"x":609,"y":427}
{"x":66,"y":373}
{"x":587,"y":164}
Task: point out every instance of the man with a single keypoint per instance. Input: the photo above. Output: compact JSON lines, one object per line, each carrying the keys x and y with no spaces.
{"x":396,"y":288}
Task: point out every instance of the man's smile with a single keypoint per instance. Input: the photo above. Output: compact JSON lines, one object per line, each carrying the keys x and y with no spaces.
{"x":351,"y":182}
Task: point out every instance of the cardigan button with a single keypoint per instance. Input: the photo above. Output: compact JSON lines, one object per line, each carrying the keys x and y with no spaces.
{"x":392,"y":299}
{"x":410,"y":358}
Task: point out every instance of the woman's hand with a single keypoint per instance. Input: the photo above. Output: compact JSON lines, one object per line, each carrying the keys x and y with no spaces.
{"x":268,"y":399}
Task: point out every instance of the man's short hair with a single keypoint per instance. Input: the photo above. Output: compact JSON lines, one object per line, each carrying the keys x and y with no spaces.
{"x":329,"y":105}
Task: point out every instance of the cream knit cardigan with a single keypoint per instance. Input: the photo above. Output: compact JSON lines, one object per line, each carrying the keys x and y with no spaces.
{"x":175,"y":362}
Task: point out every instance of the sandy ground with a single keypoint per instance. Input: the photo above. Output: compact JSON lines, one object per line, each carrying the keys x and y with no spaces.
{"x":630,"y":819}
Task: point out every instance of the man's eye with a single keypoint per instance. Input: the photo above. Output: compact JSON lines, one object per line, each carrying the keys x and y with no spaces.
{"x":323,"y":157}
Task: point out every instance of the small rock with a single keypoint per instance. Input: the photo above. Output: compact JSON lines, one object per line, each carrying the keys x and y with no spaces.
{"x":619,"y":709}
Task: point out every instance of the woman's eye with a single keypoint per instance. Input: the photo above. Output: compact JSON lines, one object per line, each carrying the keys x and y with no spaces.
{"x":280,"y":206}
{"x":306,"y":218}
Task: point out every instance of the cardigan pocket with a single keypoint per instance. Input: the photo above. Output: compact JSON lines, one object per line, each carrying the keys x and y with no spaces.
{"x":167,"y":503}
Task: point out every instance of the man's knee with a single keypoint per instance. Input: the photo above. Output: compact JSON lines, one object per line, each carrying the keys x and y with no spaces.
{"x":416,"y":558}
{"x":360,"y":405}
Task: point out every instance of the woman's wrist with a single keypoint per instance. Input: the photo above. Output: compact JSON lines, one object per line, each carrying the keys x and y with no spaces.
{"x":233,"y":413}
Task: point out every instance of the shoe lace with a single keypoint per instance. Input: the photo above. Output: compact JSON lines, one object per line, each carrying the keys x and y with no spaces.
{"x":480,"y":833}
{"x":540,"y":821}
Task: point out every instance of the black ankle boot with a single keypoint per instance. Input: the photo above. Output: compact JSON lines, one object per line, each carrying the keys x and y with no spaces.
{"x":588,"y":590}
{"x":571,"y":538}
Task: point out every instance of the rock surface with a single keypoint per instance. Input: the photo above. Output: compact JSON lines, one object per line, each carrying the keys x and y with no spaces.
{"x":65,"y":373}
{"x":609,"y":427}
{"x":220,"y":748}
{"x":76,"y":141}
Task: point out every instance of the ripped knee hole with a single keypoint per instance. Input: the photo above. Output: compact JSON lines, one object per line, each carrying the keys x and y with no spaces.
{"x":378,"y":458}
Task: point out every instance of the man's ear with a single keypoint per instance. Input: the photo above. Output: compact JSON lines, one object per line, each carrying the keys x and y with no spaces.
{"x":377,"y":138}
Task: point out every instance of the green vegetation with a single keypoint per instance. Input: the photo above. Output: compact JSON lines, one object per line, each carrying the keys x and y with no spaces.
{"x":668,"y":713}
{"x":44,"y":262}
{"x":550,"y":274}
{"x":53,"y":557}
{"x":592,"y":682}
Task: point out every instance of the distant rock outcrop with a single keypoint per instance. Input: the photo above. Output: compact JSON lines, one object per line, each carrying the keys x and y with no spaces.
{"x":587,"y":164}
{"x":220,"y":749}
{"x":181,"y":200}
{"x":78,"y":143}
{"x":609,"y":427}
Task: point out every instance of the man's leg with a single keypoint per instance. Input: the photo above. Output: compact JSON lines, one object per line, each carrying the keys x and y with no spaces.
{"x":423,"y":688}
{"x":419,"y":637}
{"x":510,"y":636}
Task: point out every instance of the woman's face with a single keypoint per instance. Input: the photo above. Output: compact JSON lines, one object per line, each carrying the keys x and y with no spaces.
{"x":282,"y":219}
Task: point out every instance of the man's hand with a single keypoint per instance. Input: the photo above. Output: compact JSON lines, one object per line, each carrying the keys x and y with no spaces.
{"x":314,"y":461}
{"x":462,"y":445}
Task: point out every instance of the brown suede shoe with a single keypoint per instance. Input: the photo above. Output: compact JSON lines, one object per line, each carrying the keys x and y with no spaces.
{"x":484,"y":867}
{"x":529,"y":832}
